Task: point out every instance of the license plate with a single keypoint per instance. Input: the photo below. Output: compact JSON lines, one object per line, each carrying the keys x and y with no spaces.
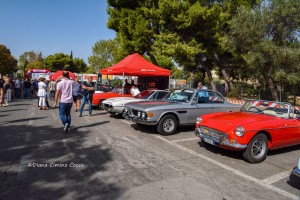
{"x":209,"y":141}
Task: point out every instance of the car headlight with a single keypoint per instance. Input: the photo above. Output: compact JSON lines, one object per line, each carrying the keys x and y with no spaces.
{"x":139,"y":114}
{"x":143,"y":115}
{"x":239,"y":131}
{"x":199,"y":119}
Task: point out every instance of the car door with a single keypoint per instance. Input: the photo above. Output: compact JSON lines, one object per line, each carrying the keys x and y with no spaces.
{"x":199,"y":106}
{"x":293,"y":129}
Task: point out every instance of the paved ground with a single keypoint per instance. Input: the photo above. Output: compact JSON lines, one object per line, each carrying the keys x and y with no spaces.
{"x":110,"y":158}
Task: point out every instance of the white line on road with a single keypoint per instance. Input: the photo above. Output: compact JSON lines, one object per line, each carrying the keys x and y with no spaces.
{"x":272,"y":179}
{"x":184,"y":140}
{"x":237,"y":172}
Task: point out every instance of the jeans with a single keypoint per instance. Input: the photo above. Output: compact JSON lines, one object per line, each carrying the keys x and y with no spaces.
{"x":65,"y":113}
{"x":27,"y":92}
{"x":52,"y":94}
{"x":17,"y":92}
{"x":83,"y":101}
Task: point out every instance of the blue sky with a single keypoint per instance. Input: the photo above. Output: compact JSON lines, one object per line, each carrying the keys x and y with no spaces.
{"x":53,"y":26}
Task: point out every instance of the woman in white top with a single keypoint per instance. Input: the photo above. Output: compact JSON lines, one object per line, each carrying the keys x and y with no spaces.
{"x":42,"y":94}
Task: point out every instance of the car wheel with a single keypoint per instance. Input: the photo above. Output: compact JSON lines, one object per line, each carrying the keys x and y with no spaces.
{"x":100,"y":105}
{"x":167,"y":125}
{"x":257,"y":149}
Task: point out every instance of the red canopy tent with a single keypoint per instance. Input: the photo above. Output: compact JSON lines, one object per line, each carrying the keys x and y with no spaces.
{"x":58,"y":74}
{"x":135,"y":65}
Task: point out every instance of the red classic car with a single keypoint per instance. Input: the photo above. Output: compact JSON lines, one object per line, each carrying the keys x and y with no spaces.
{"x":258,"y":127}
{"x":116,"y":92}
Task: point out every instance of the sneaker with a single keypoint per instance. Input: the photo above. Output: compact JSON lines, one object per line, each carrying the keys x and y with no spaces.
{"x":80,"y":115}
{"x":66,"y":128}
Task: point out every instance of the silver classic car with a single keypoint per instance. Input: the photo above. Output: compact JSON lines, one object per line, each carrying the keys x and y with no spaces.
{"x":181,"y":107}
{"x":117,"y":105}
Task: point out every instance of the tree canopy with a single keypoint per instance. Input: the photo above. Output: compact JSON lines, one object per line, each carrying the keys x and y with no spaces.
{"x":8,"y":63}
{"x":249,"y":39}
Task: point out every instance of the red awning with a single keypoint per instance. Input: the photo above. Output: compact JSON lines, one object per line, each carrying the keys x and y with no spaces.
{"x":57,"y":75}
{"x":135,"y":65}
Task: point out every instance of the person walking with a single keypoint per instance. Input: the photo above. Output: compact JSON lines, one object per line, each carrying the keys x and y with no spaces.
{"x":42,"y":93}
{"x":64,"y":90}
{"x":87,"y":95}
{"x":52,"y":88}
{"x":77,"y":94}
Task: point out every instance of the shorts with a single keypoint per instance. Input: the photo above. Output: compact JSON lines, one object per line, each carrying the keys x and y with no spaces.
{"x":76,"y":98}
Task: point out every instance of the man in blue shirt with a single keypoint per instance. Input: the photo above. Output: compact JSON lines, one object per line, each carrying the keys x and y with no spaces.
{"x":87,"y":95}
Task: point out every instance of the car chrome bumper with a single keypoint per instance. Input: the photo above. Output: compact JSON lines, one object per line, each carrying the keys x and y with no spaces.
{"x":220,"y":142}
{"x":139,"y":120}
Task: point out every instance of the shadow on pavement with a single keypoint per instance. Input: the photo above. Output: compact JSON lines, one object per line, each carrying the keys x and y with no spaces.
{"x":71,"y":167}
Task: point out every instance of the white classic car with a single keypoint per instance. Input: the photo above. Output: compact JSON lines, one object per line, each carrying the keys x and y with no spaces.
{"x":117,"y":105}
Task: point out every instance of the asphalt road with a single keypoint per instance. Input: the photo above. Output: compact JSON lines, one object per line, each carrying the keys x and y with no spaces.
{"x":107,"y":157}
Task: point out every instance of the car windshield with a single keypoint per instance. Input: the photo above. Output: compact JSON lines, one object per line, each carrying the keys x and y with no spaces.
{"x":180,"y":95}
{"x":277,"y":109}
{"x":144,"y":95}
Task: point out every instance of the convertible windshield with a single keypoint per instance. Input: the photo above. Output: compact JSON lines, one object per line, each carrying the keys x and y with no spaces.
{"x":144,"y":95}
{"x":277,"y":109}
{"x":180,"y":95}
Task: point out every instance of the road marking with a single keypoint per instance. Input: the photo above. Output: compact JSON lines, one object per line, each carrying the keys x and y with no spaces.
{"x":23,"y":168}
{"x":237,"y":172}
{"x":272,"y":179}
{"x":184,"y":140}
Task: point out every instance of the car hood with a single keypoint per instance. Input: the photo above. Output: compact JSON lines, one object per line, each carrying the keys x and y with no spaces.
{"x":226,"y":121}
{"x":143,"y":105}
{"x":116,"y":99}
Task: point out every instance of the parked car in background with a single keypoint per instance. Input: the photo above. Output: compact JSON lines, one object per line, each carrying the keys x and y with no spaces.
{"x":258,"y":127}
{"x":180,"y":107}
{"x":296,"y":170}
{"x":116,"y":105}
{"x":116,"y":92}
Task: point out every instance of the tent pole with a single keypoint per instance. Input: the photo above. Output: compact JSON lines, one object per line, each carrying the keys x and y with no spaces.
{"x":123,"y":86}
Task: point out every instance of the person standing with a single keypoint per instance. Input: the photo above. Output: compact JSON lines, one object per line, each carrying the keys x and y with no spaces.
{"x":52,"y":88}
{"x":87,"y":95}
{"x":201,"y":86}
{"x":42,"y":94}
{"x":27,"y":88}
{"x":64,"y":90}
{"x":17,"y":88}
{"x":1,"y":91}
{"x":77,"y":94}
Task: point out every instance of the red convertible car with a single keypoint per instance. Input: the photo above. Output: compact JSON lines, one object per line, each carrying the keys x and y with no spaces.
{"x":258,"y":127}
{"x":116,"y":92}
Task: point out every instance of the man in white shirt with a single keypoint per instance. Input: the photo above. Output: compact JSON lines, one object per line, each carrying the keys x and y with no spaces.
{"x":17,"y":88}
{"x":201,"y":86}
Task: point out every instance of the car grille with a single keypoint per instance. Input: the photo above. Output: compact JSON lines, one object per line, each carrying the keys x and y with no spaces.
{"x":217,"y":135}
{"x":134,"y":112}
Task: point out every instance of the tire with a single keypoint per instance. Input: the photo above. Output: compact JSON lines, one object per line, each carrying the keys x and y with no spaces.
{"x":257,"y":149}
{"x":167,"y":125}
{"x":100,"y":106}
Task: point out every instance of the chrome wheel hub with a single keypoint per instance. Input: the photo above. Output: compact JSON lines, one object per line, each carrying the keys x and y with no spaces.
{"x":168,"y":125}
{"x":258,"y":148}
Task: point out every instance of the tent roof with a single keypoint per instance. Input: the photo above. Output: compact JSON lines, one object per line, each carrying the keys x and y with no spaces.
{"x":135,"y":65}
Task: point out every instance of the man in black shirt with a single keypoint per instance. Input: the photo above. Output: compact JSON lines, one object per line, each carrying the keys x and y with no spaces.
{"x":87,"y":95}
{"x":27,"y":89}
